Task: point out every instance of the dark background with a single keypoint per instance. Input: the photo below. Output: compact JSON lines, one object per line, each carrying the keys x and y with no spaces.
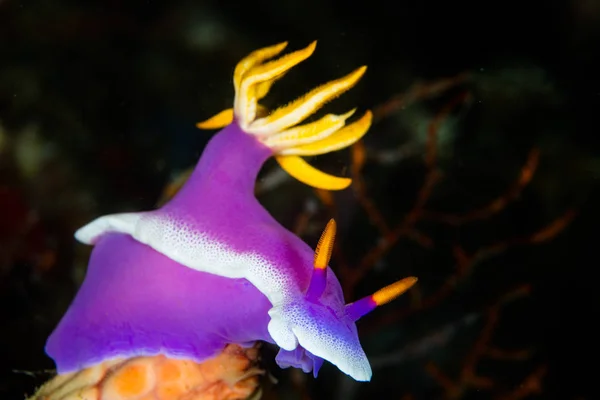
{"x":98,"y":101}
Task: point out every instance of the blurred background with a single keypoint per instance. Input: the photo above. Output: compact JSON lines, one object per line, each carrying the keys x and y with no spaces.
{"x":479,"y":175}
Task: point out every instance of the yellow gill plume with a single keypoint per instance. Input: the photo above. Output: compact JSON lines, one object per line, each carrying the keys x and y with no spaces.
{"x":279,"y":129}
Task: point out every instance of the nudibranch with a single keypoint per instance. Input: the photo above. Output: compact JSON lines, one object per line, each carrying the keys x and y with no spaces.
{"x":212,"y":266}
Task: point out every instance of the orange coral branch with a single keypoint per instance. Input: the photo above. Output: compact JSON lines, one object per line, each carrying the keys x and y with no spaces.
{"x":359,"y":187}
{"x":465,"y":264}
{"x":496,"y":205}
{"x":434,"y":127}
{"x":468,"y":378}
{"x":418,"y":91}
{"x":545,"y":234}
{"x":531,"y":385}
{"x":512,"y":355}
{"x":451,"y":389}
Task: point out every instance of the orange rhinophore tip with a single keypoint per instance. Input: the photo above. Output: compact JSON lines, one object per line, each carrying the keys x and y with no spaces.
{"x":325,"y":246}
{"x":318,"y":281}
{"x":390,"y":292}
{"x":230,"y":375}
{"x":367,"y":304}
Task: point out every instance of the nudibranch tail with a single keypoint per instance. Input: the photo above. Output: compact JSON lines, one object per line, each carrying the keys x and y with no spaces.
{"x":279,"y":129}
{"x":323,"y":252}
{"x":383,"y":296}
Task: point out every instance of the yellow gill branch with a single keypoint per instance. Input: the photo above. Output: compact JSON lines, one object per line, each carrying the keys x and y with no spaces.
{"x":308,"y":133}
{"x":343,"y":138}
{"x":246,"y":100}
{"x":305,"y":173}
{"x":298,"y":110}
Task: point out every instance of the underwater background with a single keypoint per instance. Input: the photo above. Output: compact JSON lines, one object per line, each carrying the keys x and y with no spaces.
{"x":480,"y":174}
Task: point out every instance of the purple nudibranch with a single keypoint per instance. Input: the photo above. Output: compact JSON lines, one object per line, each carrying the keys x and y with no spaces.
{"x":212,"y":266}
